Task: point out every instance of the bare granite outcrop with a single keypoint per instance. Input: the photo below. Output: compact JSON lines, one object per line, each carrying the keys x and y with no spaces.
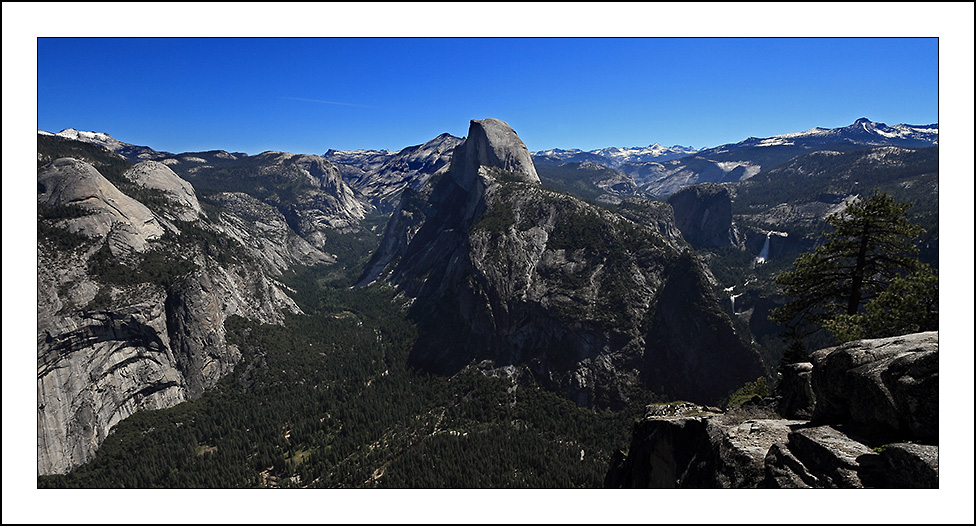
{"x":874,"y":424}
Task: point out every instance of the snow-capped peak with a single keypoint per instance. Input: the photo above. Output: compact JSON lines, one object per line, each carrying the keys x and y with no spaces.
{"x":99,"y":138}
{"x":864,"y":129}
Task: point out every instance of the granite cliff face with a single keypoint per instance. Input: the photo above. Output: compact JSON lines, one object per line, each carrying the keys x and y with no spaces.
{"x":703,"y":213}
{"x":874,"y":424}
{"x":133,"y":294}
{"x":505,"y":272}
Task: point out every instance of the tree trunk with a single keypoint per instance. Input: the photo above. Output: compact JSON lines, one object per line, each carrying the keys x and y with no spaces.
{"x":857,"y":275}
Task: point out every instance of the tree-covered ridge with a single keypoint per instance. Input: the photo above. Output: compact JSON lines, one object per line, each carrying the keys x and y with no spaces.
{"x":908,"y":175}
{"x":584,"y":180}
{"x":109,"y":164}
{"x":327,"y":400}
{"x":273,"y":177}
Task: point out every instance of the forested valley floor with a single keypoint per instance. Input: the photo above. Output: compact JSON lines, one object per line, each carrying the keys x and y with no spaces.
{"x":328,"y":400}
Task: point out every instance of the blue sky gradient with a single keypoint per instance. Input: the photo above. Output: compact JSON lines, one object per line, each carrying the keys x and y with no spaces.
{"x":307,"y":95}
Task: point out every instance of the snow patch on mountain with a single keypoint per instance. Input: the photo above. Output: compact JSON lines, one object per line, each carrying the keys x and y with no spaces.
{"x":750,"y":169}
{"x":812,"y":132}
{"x":130,"y":152}
{"x":99,"y":138}
{"x":775,"y":141}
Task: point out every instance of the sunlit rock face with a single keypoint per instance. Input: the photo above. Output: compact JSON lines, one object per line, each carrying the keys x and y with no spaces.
{"x":381,"y":176}
{"x":71,"y":182}
{"x":491,"y":143}
{"x":157,"y":176}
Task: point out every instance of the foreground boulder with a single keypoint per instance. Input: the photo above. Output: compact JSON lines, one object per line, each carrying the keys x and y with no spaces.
{"x":684,"y":445}
{"x":869,"y":404}
{"x":820,"y":457}
{"x":887,"y":386}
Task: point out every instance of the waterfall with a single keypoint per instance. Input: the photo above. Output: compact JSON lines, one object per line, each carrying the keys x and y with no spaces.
{"x":764,"y":253}
{"x":733,"y":297}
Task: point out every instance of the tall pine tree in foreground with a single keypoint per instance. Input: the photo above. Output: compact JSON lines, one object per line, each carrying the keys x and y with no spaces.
{"x":865,"y":281}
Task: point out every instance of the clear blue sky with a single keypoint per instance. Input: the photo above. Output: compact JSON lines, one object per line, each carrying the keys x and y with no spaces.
{"x":307,"y":95}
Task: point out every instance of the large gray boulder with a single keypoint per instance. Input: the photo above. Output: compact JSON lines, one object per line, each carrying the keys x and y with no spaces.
{"x":887,"y":386}
{"x":870,"y":397}
{"x":906,"y":465}
{"x":683,"y":445}
{"x":820,"y":457}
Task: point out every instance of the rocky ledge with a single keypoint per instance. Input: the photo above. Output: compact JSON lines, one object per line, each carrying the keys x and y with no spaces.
{"x":860,"y":415}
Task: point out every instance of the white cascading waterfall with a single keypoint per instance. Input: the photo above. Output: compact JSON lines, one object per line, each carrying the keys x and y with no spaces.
{"x":732,"y":296}
{"x":764,"y":253}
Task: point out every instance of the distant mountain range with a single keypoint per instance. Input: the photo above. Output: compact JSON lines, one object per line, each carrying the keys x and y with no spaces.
{"x":613,"y":157}
{"x":673,"y":170}
{"x":656,"y":170}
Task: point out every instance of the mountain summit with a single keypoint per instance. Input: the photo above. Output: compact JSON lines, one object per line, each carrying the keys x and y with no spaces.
{"x":491,"y":143}
{"x":130,"y":152}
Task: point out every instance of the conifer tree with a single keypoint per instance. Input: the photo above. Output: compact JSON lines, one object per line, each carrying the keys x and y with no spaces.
{"x":851,"y":285}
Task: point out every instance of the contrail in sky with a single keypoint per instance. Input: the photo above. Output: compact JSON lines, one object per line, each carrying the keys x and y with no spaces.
{"x":328,"y":102}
